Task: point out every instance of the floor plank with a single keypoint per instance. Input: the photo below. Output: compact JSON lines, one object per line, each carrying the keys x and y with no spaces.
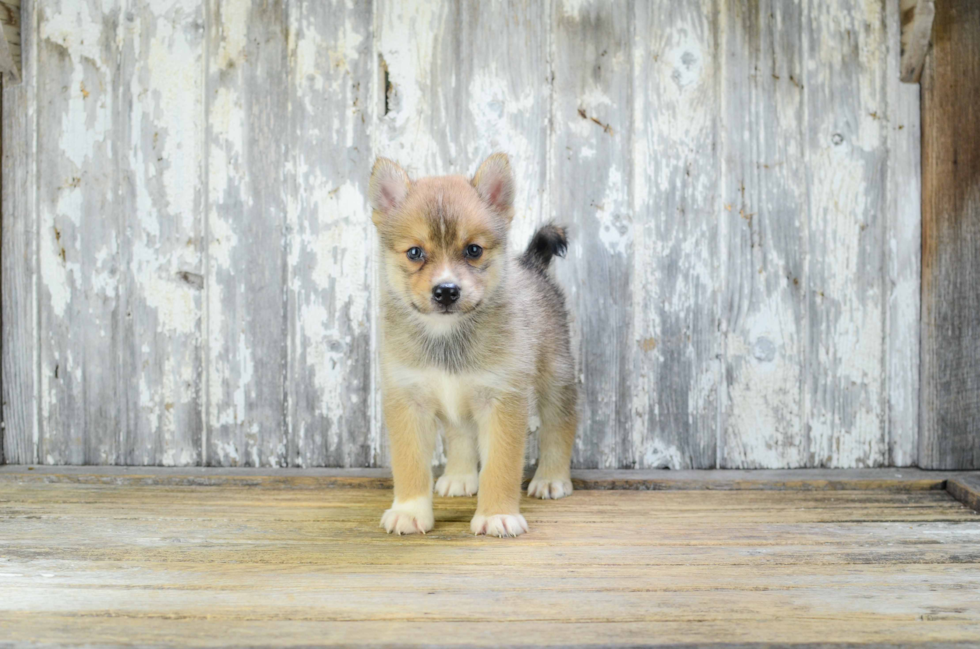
{"x":213,"y":566}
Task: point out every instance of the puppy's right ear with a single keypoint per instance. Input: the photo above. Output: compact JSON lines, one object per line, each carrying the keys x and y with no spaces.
{"x":388,"y":188}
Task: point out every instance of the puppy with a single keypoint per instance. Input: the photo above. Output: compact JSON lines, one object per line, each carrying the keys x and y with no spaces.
{"x":472,"y":339}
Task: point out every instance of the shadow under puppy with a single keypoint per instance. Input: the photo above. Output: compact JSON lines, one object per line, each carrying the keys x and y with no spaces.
{"x":471,"y":338}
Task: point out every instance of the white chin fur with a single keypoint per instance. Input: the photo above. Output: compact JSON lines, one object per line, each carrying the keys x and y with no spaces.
{"x":440,"y":323}
{"x":409,"y":517}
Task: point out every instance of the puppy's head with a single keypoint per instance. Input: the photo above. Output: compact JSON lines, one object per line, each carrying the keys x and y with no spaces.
{"x":444,"y":238}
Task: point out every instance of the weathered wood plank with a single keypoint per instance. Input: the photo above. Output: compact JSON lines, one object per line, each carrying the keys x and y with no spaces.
{"x":916,"y":21}
{"x":329,"y":297}
{"x":966,"y":489}
{"x":844,"y":85}
{"x":675,"y":176}
{"x":18,"y":258}
{"x":589,"y":184}
{"x":626,"y":479}
{"x":191,"y":565}
{"x":120,"y":310}
{"x":247,"y":93}
{"x":2,"y":456}
{"x":763,"y":235}
{"x":64,"y":628}
{"x":950,"y":363}
{"x":504,"y":104}
{"x":159,"y":256}
{"x":83,"y":293}
{"x":417,"y":47}
{"x":903,"y":253}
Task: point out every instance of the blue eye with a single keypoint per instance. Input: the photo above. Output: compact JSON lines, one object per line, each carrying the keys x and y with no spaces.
{"x":414,"y":253}
{"x":473,"y":251}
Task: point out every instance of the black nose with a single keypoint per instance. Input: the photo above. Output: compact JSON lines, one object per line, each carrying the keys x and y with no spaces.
{"x":445,"y":294}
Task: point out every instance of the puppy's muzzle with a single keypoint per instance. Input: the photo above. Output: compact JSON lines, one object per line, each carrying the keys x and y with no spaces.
{"x":446,"y":294}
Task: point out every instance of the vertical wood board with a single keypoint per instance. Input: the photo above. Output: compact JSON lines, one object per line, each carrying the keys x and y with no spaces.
{"x":590,"y":180}
{"x":18,"y":259}
{"x":763,"y":220}
{"x":329,"y":285}
{"x":247,"y":80}
{"x":674,"y":349}
{"x":160,"y":257}
{"x":950,"y":398}
{"x":846,"y":161}
{"x":903,"y":253}
{"x":79,"y":233}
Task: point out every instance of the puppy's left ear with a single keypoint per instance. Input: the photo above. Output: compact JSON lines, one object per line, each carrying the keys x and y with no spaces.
{"x":387,"y":190}
{"x":495,"y":185}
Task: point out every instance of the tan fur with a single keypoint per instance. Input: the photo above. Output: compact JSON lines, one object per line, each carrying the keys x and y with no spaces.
{"x":478,"y":365}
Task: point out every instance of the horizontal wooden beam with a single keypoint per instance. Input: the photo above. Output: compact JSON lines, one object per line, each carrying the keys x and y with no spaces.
{"x":966,"y":489}
{"x":917,"y":16}
{"x":640,"y":480}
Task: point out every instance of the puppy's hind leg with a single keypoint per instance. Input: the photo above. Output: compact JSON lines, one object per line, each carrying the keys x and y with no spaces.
{"x":460,"y":477}
{"x":553,"y":478}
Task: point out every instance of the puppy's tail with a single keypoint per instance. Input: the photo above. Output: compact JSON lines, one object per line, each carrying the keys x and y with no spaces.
{"x":547,"y":242}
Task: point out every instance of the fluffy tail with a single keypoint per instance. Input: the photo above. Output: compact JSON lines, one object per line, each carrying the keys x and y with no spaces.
{"x":546,"y":243}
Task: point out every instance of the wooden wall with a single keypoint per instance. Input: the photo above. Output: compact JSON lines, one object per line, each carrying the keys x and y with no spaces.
{"x":188,"y":263}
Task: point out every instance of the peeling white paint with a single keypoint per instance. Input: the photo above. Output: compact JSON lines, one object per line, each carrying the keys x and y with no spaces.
{"x":406,"y":138}
{"x":78,"y":32}
{"x":615,"y":223}
{"x":656,"y":454}
{"x":234,"y":19}
{"x":686,"y":60}
{"x":714,"y":325}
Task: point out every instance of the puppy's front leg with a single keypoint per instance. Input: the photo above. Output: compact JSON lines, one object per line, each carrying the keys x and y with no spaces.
{"x":412,"y":433}
{"x":502,"y":432}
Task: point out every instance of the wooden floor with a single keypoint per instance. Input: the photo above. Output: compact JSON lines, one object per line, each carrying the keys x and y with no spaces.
{"x":131,"y":562}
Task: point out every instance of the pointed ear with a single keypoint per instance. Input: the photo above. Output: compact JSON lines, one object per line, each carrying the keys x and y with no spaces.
{"x":387,"y":189}
{"x":495,"y":185}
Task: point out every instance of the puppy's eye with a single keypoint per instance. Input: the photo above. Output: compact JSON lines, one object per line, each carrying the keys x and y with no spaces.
{"x":414,"y":253}
{"x":473,"y":251}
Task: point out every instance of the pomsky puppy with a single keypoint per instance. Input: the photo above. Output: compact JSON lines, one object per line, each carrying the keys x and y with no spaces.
{"x":472,"y":339}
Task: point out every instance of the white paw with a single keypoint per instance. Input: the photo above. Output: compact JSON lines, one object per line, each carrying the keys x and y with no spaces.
{"x":458,"y":485}
{"x":499,"y":525}
{"x":549,"y":488}
{"x":410,"y":517}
